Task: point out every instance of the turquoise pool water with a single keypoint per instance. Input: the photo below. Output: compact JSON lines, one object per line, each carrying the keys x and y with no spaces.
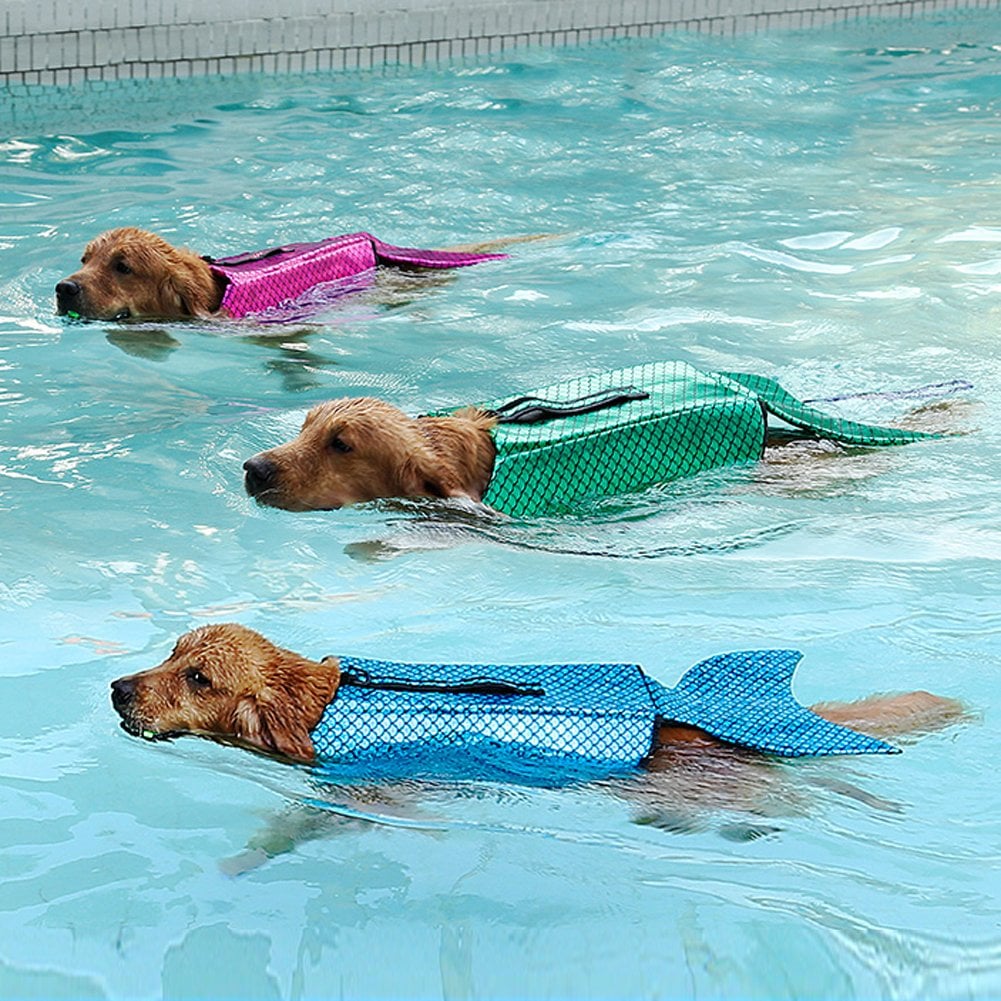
{"x":821,"y":208}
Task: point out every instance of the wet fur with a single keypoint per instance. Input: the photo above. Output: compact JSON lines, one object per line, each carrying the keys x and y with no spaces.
{"x":130,"y":273}
{"x":229,"y":682}
{"x":353,"y":450}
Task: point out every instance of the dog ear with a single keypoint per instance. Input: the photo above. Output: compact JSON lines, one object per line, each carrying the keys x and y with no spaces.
{"x":192,"y":288}
{"x":433,"y":488}
{"x":428,"y":473}
{"x":416,"y":474}
{"x":457,"y":457}
{"x":274,"y":723}
{"x":428,"y":481}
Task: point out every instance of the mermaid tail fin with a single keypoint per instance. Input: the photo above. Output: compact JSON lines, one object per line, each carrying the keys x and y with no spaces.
{"x":386,"y":253}
{"x":801,"y":415}
{"x":746,"y":698}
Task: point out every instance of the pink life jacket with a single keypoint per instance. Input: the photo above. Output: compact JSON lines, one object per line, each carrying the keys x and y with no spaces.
{"x":272,"y":285}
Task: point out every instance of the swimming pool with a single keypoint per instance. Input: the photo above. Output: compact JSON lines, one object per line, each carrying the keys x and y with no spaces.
{"x":821,"y":208}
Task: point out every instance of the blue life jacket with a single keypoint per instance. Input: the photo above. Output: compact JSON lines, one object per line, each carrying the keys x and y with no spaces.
{"x":558,"y":722}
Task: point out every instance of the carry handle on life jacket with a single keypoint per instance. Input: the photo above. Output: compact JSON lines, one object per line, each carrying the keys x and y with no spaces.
{"x":535,"y":409}
{"x":252,"y":256}
{"x":470,"y":686}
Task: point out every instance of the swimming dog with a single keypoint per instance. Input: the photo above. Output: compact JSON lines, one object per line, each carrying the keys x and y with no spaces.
{"x":129,"y":273}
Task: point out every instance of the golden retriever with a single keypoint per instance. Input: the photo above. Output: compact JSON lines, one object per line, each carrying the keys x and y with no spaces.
{"x":228,"y":682}
{"x":132,"y":274}
{"x":355,"y":450}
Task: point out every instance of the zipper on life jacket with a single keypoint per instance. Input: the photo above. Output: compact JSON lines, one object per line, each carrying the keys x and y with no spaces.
{"x":471,"y":686}
{"x":535,"y":409}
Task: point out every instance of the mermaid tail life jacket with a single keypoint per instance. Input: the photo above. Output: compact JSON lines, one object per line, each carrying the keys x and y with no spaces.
{"x":627,"y":430}
{"x":287,"y":283}
{"x":559,"y":721}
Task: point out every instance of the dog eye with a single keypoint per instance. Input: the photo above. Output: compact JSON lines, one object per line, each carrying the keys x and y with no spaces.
{"x":196,"y":679}
{"x":338,"y":444}
{"x":122,"y":268}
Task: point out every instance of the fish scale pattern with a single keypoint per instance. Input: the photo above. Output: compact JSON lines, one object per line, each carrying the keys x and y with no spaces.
{"x":746,"y":698}
{"x":689,"y":421}
{"x":267,"y":284}
{"x":577,"y":711}
{"x":783,"y":404}
{"x":593,"y":718}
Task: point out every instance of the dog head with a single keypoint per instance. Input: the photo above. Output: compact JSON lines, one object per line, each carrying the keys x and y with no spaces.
{"x":354,"y":450}
{"x":229,"y":681}
{"x":129,"y":273}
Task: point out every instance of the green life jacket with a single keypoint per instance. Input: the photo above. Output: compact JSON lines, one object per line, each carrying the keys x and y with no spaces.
{"x":624,"y":431}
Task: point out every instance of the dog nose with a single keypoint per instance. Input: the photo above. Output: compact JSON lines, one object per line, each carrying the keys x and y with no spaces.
{"x":259,"y":475}
{"x":67,"y":292}
{"x":123,"y":691}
